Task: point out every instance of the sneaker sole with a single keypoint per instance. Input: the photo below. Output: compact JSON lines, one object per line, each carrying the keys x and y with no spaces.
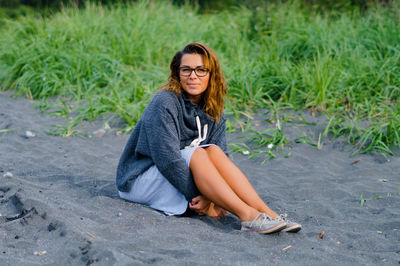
{"x":271,"y":230}
{"x":292,"y":229}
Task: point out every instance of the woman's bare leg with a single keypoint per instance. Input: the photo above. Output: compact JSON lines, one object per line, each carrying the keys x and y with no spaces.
{"x":212,"y":185}
{"x":237,"y":181}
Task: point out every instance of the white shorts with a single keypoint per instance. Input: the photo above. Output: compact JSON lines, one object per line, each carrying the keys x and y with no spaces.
{"x":152,"y":189}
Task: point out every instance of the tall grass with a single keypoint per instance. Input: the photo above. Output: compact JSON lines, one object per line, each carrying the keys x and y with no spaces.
{"x":98,"y":59}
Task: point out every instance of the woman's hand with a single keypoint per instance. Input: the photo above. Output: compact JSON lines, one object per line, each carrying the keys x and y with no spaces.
{"x":204,"y":206}
{"x":200,"y":204}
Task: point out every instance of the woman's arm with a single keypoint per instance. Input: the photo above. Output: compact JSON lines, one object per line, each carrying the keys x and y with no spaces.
{"x":218,"y":136}
{"x":163,"y":140}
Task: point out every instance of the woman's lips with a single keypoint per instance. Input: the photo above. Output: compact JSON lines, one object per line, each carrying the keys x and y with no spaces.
{"x":194,"y":86}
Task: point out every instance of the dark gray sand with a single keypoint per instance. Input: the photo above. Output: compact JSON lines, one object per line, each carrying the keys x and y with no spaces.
{"x":59,"y":204}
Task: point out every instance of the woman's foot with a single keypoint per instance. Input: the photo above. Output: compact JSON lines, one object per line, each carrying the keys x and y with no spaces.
{"x":291,"y":227}
{"x":263,"y":224}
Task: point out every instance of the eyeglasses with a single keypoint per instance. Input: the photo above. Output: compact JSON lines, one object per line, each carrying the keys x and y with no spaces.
{"x":187,"y":71}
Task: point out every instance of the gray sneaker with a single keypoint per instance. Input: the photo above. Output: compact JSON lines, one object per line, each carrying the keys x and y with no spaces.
{"x":291,"y":227}
{"x":263,"y":224}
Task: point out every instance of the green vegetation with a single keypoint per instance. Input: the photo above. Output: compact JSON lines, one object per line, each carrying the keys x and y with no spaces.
{"x":279,"y":56}
{"x":362,"y":200}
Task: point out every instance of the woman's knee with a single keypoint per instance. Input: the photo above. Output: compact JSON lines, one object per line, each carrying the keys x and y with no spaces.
{"x":214,"y":150}
{"x":199,"y":155}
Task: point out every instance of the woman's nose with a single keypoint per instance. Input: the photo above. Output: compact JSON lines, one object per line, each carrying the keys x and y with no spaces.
{"x":193,"y":75}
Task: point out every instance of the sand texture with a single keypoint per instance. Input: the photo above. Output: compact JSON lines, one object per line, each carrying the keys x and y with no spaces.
{"x":59,"y":204}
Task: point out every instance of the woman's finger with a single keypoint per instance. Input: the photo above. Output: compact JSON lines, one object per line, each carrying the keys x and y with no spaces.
{"x":196,"y":200}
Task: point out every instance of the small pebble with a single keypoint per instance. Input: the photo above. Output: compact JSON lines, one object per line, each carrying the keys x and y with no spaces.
{"x":8,"y":174}
{"x":246,"y":152}
{"x":119,"y":214}
{"x":44,"y":252}
{"x":379,"y":232}
{"x":270,"y":146}
{"x":99,"y":132}
{"x":29,"y":134}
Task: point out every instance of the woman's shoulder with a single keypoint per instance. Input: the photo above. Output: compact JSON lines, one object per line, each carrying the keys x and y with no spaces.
{"x":163,"y":102}
{"x":165,"y":98}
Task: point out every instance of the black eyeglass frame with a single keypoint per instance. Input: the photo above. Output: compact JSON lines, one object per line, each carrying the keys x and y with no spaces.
{"x":195,"y":71}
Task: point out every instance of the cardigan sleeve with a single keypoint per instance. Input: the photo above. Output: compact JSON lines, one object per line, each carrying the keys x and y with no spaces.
{"x":218,"y":136}
{"x":164,"y":147}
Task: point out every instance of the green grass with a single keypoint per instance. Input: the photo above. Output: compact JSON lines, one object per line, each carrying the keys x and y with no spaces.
{"x":98,"y":60}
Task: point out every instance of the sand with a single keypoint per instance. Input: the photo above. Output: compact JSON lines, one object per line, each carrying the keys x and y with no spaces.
{"x":59,"y":204}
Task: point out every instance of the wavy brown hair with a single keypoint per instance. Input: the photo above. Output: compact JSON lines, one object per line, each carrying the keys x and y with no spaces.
{"x":216,"y":90}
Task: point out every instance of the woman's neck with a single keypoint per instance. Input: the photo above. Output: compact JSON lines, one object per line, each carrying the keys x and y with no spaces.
{"x":196,"y":99}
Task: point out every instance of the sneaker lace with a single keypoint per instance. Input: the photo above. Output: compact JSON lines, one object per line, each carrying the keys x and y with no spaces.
{"x":258,"y":221}
{"x":282,"y":217}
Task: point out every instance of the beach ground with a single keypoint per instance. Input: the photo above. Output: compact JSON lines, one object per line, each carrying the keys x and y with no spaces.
{"x":59,"y":203}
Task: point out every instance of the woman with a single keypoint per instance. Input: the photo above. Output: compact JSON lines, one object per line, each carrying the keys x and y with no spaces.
{"x":176,"y":159}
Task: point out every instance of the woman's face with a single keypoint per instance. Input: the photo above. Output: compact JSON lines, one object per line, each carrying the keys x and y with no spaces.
{"x":194,"y":76}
